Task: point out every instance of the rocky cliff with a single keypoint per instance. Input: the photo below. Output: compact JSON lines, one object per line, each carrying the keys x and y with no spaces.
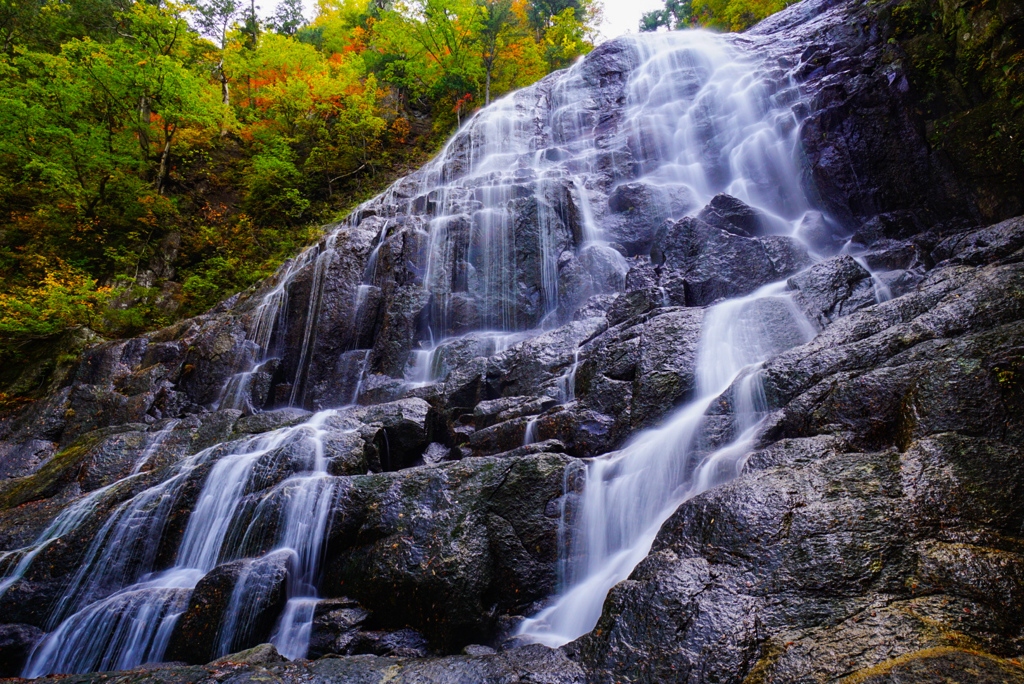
{"x":380,"y":459}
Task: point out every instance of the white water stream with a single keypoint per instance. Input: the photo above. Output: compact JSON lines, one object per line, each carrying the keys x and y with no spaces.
{"x":698,"y":109}
{"x":119,"y":610}
{"x":628,"y":494}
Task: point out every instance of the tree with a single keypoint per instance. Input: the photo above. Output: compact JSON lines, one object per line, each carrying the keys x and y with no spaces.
{"x":542,"y":13}
{"x":498,"y":25}
{"x":675,"y":15}
{"x":568,"y":36}
{"x":214,"y":18}
{"x":288,"y":18}
{"x":433,"y":48}
{"x":728,"y":15}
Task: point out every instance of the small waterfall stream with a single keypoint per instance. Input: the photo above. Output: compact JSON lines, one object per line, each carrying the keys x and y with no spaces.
{"x":628,"y":494}
{"x":120,"y":609}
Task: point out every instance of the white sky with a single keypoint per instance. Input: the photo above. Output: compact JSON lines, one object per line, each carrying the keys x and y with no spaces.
{"x":623,"y":16}
{"x":620,"y":16}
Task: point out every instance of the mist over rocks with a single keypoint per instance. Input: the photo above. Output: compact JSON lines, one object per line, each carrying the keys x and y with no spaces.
{"x":383,"y":456}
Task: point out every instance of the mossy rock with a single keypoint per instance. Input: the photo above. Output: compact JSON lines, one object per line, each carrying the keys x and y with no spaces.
{"x":49,"y":478}
{"x":941,"y":665}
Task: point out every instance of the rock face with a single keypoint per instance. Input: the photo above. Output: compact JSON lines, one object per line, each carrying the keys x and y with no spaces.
{"x":374,"y":458}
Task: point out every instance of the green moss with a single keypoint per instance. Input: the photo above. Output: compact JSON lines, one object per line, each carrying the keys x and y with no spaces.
{"x":771,"y":652}
{"x":883,"y":671}
{"x":45,"y":481}
{"x":965,"y":61}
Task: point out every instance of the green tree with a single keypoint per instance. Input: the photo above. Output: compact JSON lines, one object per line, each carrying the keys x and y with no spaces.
{"x":675,"y":15}
{"x":214,"y":18}
{"x":288,"y":18}
{"x":726,"y":15}
{"x":498,"y":27}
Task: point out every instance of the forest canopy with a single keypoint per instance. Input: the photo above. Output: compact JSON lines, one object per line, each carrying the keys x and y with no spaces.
{"x":723,"y":15}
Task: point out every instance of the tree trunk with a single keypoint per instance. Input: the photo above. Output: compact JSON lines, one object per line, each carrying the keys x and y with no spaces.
{"x":145,"y":117}
{"x":225,"y":97}
{"x":164,"y":159}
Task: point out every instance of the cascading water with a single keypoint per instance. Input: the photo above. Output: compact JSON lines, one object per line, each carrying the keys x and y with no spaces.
{"x":501,"y":216}
{"x":628,"y":494}
{"x":120,"y":609}
{"x":700,"y":114}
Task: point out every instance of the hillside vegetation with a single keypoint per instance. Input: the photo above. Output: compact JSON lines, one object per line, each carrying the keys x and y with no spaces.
{"x":156,"y":157}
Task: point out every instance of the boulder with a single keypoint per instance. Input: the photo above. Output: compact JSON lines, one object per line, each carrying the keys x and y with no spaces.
{"x":832,"y":288}
{"x":710,"y":263}
{"x":733,"y":215}
{"x":16,"y":643}
{"x":336,"y":626}
{"x":233,"y":607}
{"x":445,"y":549}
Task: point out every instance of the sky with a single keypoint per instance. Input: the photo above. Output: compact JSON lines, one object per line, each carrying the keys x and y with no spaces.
{"x":623,"y":16}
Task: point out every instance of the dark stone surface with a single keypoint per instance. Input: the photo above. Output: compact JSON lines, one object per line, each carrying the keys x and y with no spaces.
{"x":256,"y":588}
{"x":16,"y":643}
{"x":533,"y":664}
{"x":444,"y":549}
{"x":899,"y":537}
{"x":732,"y":215}
{"x":710,"y":263}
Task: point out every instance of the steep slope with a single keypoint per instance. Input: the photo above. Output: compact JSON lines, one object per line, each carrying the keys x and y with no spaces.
{"x":700,"y":255}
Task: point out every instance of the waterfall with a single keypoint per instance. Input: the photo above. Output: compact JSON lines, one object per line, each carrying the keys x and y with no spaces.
{"x":701,"y":116}
{"x":628,"y":494}
{"x":119,"y":609}
{"x":484,"y":234}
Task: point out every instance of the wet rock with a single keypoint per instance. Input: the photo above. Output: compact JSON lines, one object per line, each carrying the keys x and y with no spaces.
{"x":443,"y":549}
{"x":16,"y":643}
{"x":875,"y":532}
{"x":113,"y":457}
{"x":264,"y":654}
{"x":944,"y":664}
{"x":820,"y":234}
{"x":497,"y":438}
{"x":400,"y":643}
{"x":380,"y":389}
{"x":271,"y":420}
{"x":732,"y":215}
{"x":638,"y":209}
{"x":533,"y":663}
{"x":667,"y":358}
{"x":710,"y":263}
{"x":540,"y":362}
{"x":998,"y":242}
{"x":832,"y":288}
{"x":584,"y":431}
{"x":215,"y":428}
{"x":478,"y":650}
{"x":336,"y":625}
{"x":19,"y":460}
{"x":895,"y":225}
{"x":435,"y":453}
{"x":404,"y":432}
{"x":886,"y":255}
{"x":547,"y":446}
{"x":233,"y":607}
{"x":57,"y":473}
{"x":882,"y":142}
{"x":635,"y":303}
{"x":889,"y":513}
{"x":487,"y":413}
